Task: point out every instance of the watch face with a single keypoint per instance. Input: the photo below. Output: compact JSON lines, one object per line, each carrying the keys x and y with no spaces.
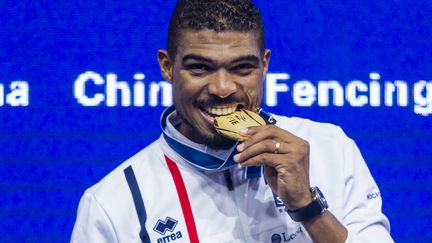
{"x":321,"y":197}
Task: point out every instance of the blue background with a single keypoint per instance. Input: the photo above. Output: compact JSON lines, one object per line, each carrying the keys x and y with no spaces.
{"x":53,"y":149}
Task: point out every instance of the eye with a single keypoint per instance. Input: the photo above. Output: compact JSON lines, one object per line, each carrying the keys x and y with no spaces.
{"x":244,"y":68}
{"x":198,"y":68}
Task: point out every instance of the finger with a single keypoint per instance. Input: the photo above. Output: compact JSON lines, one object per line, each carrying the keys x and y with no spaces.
{"x":271,"y":177}
{"x":265,"y":146}
{"x":267,"y":159}
{"x":248,"y":131}
{"x":255,"y":134}
{"x":258,"y":134}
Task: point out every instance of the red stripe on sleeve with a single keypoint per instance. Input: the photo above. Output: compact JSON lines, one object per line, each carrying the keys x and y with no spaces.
{"x":184,"y":200}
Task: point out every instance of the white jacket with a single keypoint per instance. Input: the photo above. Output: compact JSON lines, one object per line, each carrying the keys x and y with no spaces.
{"x":183,"y":204}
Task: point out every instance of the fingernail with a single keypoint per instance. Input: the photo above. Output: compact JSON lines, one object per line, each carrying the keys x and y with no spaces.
{"x":240,"y":147}
{"x":236,"y":157}
{"x":244,"y":131}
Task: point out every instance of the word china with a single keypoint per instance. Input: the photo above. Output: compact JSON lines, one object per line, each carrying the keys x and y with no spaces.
{"x":14,"y":94}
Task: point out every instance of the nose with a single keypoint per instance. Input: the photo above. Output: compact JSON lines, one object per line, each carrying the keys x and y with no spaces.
{"x":223,"y":84}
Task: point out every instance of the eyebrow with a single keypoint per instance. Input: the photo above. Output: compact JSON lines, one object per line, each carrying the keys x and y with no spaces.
{"x":196,"y":57}
{"x":250,"y":58}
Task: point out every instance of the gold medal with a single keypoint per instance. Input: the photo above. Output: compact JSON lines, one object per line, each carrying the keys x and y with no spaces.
{"x":230,"y":125}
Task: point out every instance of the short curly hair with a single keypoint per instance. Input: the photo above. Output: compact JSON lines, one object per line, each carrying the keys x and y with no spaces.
{"x":217,"y":15}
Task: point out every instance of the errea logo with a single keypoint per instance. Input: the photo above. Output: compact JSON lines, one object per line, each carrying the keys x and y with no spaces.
{"x":162,"y":227}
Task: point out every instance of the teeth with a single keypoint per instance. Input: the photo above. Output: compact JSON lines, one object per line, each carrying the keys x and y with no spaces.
{"x":221,"y":110}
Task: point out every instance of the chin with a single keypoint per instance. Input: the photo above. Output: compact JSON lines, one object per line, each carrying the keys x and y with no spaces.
{"x":216,"y":141}
{"x":201,"y":131}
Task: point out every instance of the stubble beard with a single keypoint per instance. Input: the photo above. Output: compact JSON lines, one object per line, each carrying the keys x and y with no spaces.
{"x":217,"y":141}
{"x":213,"y":139}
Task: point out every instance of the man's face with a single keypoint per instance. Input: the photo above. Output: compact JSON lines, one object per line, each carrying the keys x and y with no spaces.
{"x":214,"y":74}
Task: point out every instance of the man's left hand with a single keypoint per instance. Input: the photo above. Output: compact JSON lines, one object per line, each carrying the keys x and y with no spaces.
{"x":286,"y":162}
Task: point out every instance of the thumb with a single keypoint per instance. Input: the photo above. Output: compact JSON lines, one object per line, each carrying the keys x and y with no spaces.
{"x":271,"y":176}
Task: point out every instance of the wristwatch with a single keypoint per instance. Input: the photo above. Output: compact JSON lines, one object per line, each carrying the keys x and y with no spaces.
{"x":315,"y":208}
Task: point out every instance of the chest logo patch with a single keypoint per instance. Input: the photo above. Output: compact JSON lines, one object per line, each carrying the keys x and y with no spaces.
{"x":168,"y":224}
{"x":285,"y":237}
{"x":278,"y":203}
{"x":162,"y":227}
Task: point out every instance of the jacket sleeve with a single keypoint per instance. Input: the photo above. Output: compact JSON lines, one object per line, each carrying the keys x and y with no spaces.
{"x":362,"y":210}
{"x":92,"y":223}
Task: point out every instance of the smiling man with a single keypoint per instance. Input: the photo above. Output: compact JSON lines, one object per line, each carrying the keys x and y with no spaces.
{"x":296,"y":180}
{"x":213,"y":73}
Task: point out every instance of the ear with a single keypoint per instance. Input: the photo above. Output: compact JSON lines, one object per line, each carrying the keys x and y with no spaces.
{"x":165,"y":64}
{"x":266,"y":61}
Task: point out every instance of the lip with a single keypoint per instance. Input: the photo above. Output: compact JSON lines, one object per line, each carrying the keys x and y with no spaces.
{"x":207,"y":117}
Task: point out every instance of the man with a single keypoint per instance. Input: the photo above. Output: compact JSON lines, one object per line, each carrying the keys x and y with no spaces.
{"x":195,"y":185}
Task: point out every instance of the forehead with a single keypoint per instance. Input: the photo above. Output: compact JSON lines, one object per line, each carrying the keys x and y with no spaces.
{"x":219,"y":46}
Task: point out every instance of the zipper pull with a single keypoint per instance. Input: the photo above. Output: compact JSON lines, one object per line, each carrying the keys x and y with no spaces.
{"x":228,"y":180}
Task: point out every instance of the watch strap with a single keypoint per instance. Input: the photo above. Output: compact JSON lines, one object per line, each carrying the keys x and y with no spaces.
{"x":314,"y":208}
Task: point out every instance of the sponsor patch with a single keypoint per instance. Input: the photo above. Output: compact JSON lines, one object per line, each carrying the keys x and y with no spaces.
{"x":373,"y":195}
{"x":278,"y":203}
{"x":285,"y":236}
{"x":162,"y":227}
